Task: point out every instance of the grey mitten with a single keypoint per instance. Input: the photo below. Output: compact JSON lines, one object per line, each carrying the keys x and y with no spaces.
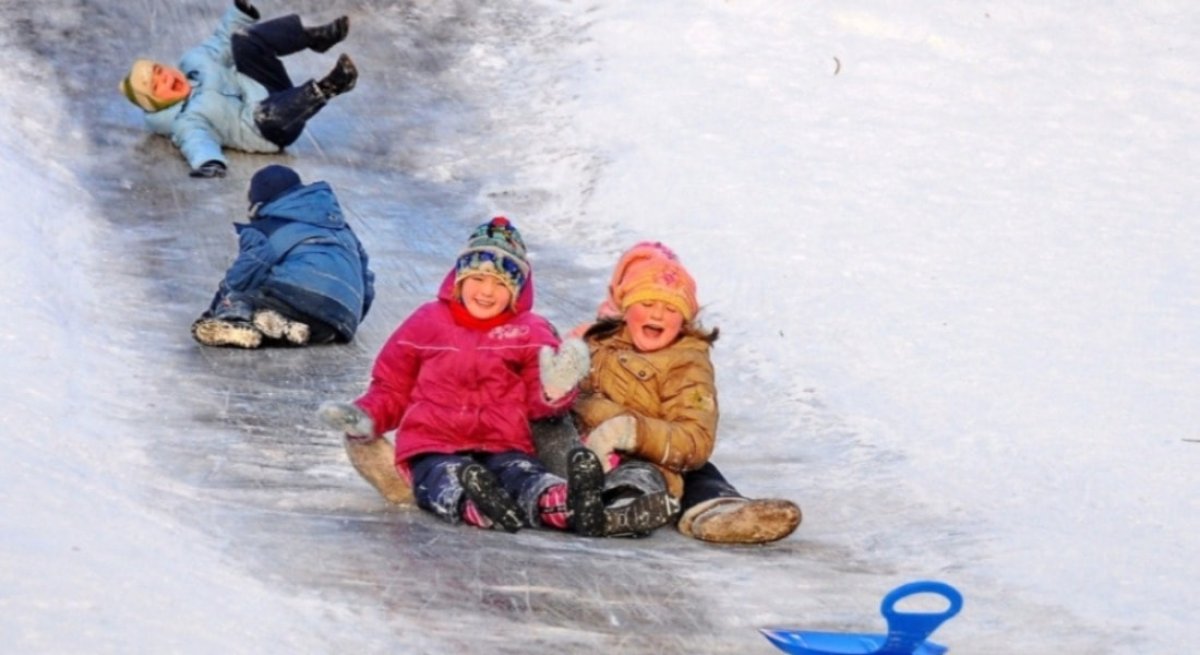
{"x":617,"y":434}
{"x":347,"y":418}
{"x":561,"y":371}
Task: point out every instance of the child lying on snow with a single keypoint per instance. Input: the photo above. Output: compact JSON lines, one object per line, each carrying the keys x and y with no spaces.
{"x":301,"y":275}
{"x":233,"y":91}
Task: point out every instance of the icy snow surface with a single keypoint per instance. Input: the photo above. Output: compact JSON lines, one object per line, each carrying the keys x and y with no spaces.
{"x":952,"y":252}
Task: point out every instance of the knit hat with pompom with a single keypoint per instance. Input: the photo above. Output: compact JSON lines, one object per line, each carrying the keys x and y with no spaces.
{"x":495,"y":248}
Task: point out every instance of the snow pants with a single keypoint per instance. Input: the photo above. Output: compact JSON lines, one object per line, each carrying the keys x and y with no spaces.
{"x":555,"y":437}
{"x":256,"y":54}
{"x":436,"y":487}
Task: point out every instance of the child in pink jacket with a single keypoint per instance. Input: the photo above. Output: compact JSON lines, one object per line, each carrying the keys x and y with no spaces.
{"x":459,"y":382}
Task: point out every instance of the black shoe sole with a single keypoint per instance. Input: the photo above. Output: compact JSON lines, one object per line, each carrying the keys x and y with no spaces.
{"x":482,"y":487}
{"x":641,"y":516}
{"x":585,"y":492}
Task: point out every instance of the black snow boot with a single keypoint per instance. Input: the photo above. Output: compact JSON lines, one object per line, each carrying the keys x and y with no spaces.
{"x":639,"y":516}
{"x":324,"y":37}
{"x":339,"y":80}
{"x":585,"y":492}
{"x":482,"y":488}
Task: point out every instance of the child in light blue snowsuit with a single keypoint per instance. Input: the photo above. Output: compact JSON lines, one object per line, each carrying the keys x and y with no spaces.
{"x":233,"y":91}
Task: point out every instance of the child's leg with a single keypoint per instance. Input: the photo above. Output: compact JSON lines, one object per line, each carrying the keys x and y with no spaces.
{"x":534,"y":489}
{"x":281,"y":117}
{"x":257,"y":50}
{"x":634,"y":477}
{"x":232,"y":306}
{"x":636,"y":500}
{"x":436,"y":486}
{"x":488,"y":499}
{"x":227,"y":322}
{"x":713,"y":510}
{"x":704,"y":484}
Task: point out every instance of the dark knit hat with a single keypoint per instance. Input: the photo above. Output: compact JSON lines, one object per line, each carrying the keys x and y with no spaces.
{"x":271,"y":181}
{"x":495,"y":248}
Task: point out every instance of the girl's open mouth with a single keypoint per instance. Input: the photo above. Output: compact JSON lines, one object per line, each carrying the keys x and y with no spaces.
{"x":652,"y":331}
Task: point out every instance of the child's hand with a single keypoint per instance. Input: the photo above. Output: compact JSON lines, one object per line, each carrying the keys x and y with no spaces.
{"x":347,"y":418}
{"x":212,"y":168}
{"x":617,"y":433}
{"x":561,"y":371}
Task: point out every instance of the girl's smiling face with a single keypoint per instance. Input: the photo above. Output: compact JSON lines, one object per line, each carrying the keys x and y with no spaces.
{"x":653,"y":325}
{"x":485,"y":296}
{"x":169,"y":84}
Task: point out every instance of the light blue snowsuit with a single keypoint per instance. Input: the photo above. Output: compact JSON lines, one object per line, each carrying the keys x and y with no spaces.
{"x":220,"y":110}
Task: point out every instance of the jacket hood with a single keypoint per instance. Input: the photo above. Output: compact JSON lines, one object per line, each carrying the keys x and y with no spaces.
{"x":524,"y":299}
{"x":313,"y":203}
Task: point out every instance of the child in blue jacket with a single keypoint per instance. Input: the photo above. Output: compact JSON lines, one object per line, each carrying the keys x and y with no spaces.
{"x":301,"y":275}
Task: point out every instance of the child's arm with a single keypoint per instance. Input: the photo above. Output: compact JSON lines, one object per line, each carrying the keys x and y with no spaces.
{"x":392,"y":379}
{"x":547,"y":350}
{"x":560,"y":371}
{"x":684,"y":438}
{"x":254,"y":261}
{"x":195,"y":137}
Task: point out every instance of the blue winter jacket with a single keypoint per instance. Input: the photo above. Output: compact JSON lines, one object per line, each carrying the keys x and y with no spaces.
{"x":220,"y":109}
{"x":300,"y":250}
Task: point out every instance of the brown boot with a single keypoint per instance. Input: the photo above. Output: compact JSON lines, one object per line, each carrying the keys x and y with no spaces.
{"x":741,"y":520}
{"x":374,"y":461}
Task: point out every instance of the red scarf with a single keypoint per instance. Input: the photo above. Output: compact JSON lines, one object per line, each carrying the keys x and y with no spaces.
{"x":464,"y":318}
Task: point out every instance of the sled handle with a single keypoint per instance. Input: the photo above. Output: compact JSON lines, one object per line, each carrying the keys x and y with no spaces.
{"x":908,"y":630}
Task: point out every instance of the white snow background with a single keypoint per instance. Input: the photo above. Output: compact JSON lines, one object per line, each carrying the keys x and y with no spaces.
{"x":952,"y":252}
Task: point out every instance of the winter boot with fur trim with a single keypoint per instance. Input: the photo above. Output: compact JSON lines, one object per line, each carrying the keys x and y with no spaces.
{"x":277,"y":326}
{"x":374,"y":459}
{"x":323,"y":37}
{"x":741,"y":520}
{"x":585,"y":492}
{"x":639,"y":516}
{"x":215,"y":332}
{"x":339,"y":80}
{"x":483,"y":488}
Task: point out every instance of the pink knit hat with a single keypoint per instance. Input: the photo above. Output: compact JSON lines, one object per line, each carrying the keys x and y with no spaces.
{"x":649,"y":272}
{"x":640,"y":252}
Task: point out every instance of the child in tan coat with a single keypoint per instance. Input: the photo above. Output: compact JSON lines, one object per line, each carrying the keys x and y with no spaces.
{"x":650,"y":402}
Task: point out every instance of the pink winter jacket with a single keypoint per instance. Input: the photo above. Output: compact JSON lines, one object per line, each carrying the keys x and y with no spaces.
{"x":447,"y":388}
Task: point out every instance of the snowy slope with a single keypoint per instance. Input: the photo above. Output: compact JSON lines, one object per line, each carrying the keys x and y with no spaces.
{"x":950,"y":251}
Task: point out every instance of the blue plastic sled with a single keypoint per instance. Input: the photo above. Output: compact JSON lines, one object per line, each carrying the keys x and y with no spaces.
{"x":906,"y":635}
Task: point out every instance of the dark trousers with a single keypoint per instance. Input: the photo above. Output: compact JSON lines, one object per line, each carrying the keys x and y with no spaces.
{"x":436,"y":487}
{"x":704,"y":484}
{"x":256,"y":53}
